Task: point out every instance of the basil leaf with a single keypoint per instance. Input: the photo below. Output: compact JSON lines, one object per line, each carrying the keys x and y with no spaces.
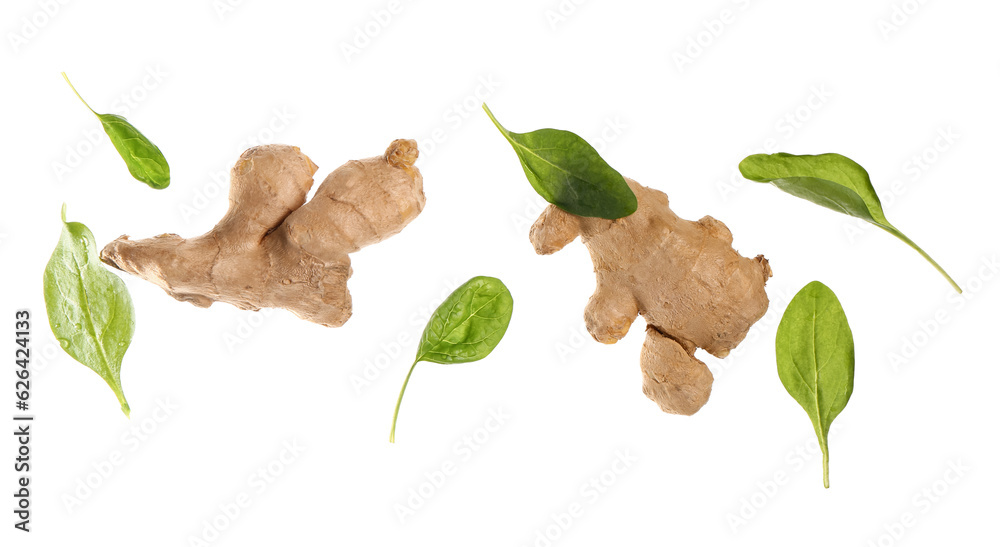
{"x":569,"y":173}
{"x":464,"y":328}
{"x":832,"y":181}
{"x":144,"y":160}
{"x":815,"y":354}
{"x":89,"y":308}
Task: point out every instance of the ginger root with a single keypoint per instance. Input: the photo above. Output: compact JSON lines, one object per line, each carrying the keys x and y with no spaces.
{"x":683,"y":277}
{"x":274,"y":250}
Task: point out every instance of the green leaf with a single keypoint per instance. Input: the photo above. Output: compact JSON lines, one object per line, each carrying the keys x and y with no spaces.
{"x":567,"y":171}
{"x":815,"y":353}
{"x":90,"y":310}
{"x":833,"y":181}
{"x":144,"y":160}
{"x":468,"y":324}
{"x":464,"y":328}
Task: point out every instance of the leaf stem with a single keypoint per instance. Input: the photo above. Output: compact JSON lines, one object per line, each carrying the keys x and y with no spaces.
{"x":395,"y":414}
{"x":826,"y":464}
{"x":495,"y":122}
{"x":506,"y":134}
{"x":892,"y":230}
{"x":77,"y":93}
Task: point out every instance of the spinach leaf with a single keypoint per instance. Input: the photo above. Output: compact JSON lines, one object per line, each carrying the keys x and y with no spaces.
{"x":833,"y":181}
{"x":144,"y":160}
{"x":90,"y":310}
{"x":815,"y":354}
{"x":464,"y":328}
{"x":567,"y":171}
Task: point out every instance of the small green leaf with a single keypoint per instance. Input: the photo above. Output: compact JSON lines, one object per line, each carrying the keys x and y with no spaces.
{"x":144,"y":160}
{"x":468,"y":324}
{"x":89,"y":308}
{"x":464,"y":328}
{"x":569,"y":173}
{"x":815,"y":353}
{"x":833,"y":181}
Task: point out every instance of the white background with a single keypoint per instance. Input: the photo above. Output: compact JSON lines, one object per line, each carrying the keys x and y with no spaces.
{"x":207,"y":79}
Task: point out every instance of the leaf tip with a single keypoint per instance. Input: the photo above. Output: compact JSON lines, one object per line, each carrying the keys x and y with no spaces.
{"x":64,"y":213}
{"x":746,"y":167}
{"x":633,"y":202}
{"x":817,"y":285}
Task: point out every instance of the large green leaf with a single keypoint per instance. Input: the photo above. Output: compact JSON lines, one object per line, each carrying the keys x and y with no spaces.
{"x":144,"y":160}
{"x":815,"y":354}
{"x":569,"y":173}
{"x":464,"y":328}
{"x":833,"y":181}
{"x":89,"y":308}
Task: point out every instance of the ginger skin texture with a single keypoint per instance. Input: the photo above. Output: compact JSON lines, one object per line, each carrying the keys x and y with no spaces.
{"x":683,"y":277}
{"x":274,"y":250}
